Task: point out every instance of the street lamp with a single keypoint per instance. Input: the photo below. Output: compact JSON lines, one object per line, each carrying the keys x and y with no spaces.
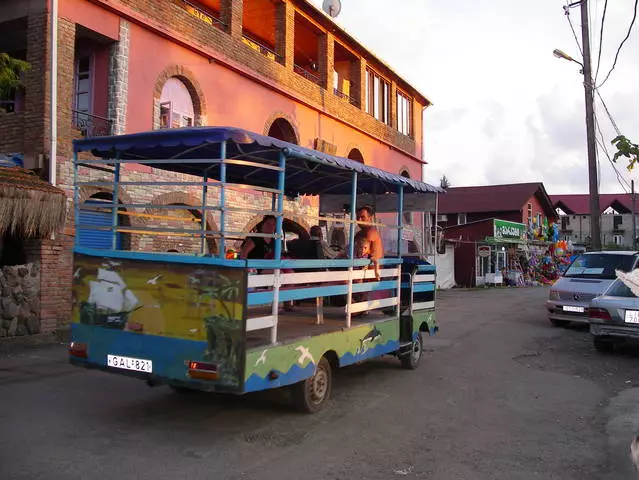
{"x":559,"y":54}
{"x":595,"y":225}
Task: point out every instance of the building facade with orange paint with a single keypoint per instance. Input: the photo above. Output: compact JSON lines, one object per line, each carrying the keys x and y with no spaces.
{"x":277,"y":67}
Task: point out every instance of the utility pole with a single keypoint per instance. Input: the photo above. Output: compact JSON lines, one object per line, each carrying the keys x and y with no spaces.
{"x":595,"y":217}
{"x":634,"y":219}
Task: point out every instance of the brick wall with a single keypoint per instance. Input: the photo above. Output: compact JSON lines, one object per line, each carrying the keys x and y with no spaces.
{"x":175,"y":21}
{"x":56,"y":263}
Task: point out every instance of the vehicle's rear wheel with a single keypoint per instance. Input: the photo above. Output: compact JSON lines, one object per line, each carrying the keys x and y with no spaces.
{"x":411,"y":360}
{"x":559,"y":323}
{"x":311,"y":395}
{"x":603,"y":344}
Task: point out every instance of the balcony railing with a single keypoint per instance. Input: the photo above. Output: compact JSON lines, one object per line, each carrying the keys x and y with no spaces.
{"x":345,"y":96}
{"x":313,"y":77}
{"x":209,"y":17}
{"x":260,"y":47}
{"x":92,"y":125}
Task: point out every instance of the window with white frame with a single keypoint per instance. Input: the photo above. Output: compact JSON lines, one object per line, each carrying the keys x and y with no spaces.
{"x":461,"y":219}
{"x":404,"y":114}
{"x":176,"y":105}
{"x":377,"y":97}
{"x":617,"y":239}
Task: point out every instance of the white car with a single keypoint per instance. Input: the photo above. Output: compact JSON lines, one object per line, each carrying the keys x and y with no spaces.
{"x":589,"y":275}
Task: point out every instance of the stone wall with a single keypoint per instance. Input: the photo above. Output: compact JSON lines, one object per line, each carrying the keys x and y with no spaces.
{"x":19,"y":300}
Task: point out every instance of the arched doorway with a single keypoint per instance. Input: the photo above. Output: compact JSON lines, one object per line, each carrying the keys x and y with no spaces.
{"x":356,"y":155}
{"x":185,"y":219}
{"x":283,"y":130}
{"x":96,"y":219}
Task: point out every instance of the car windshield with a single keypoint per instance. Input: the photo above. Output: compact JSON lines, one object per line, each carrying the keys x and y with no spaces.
{"x":600,"y":265}
{"x":619,"y":289}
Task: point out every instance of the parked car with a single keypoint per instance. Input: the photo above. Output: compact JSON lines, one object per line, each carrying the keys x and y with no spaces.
{"x":614,"y":316}
{"x":589,"y":275}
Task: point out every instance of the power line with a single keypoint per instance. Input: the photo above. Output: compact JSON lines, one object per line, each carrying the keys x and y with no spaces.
{"x":601,"y":30}
{"x":634,"y":17}
{"x":574,"y":34}
{"x":612,"y":120}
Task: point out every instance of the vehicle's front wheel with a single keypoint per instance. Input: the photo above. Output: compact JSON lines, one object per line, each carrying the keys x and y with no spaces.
{"x":559,"y":323}
{"x":411,"y":360}
{"x":603,"y":344}
{"x":312,"y":394}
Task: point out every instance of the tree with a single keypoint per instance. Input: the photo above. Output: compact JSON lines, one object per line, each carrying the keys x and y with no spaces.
{"x":625,"y":148}
{"x":444,"y":182}
{"x":10,"y":71}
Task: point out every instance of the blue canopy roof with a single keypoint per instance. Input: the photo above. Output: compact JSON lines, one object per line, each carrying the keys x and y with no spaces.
{"x":308,"y":171}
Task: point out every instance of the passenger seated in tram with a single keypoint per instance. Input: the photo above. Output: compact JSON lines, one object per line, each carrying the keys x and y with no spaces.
{"x":363,"y":250}
{"x":327,"y":251}
{"x":260,"y":247}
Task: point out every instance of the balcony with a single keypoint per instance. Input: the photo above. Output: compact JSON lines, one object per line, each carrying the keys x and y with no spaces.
{"x":91,"y":125}
{"x":259,"y":46}
{"x":307,"y":74}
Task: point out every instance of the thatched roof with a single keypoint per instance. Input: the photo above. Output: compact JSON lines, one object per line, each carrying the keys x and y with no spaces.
{"x":29,"y":206}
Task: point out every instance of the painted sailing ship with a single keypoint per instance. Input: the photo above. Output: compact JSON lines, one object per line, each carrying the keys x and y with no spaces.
{"x":110,"y":301}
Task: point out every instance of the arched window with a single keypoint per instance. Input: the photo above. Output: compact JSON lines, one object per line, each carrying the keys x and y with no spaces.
{"x":356,"y":155}
{"x":176,"y":105}
{"x":283,"y":130}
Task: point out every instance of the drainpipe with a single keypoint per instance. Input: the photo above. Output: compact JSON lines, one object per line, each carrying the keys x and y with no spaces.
{"x":53,"y":107}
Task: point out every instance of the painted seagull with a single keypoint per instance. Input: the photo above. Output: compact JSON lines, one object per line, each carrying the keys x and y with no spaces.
{"x":76,"y":274}
{"x":154,"y":280}
{"x":261,"y":359}
{"x":304,"y":354}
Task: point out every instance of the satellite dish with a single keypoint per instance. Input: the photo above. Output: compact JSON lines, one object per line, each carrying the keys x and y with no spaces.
{"x":332,"y":7}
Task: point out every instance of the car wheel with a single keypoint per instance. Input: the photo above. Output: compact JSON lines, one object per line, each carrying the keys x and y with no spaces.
{"x":410,"y":361}
{"x":311,"y":395}
{"x":603,"y":344}
{"x":559,"y":323}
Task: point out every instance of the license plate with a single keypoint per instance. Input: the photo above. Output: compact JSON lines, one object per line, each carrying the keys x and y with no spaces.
{"x":128,"y":363}
{"x":632,"y":316}
{"x":570,"y":308}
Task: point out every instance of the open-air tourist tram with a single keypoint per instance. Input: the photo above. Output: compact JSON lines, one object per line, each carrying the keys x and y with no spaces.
{"x":213,"y":322}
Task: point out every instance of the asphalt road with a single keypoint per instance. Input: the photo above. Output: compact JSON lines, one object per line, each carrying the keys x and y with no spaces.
{"x":500,"y":395}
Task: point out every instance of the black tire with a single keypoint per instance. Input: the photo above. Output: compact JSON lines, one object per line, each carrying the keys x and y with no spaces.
{"x":559,"y":323}
{"x":312,"y":395}
{"x":603,"y":344}
{"x":411,"y":360}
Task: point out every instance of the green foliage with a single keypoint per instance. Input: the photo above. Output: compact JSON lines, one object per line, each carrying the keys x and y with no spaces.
{"x":625,"y":148}
{"x":10,"y":71}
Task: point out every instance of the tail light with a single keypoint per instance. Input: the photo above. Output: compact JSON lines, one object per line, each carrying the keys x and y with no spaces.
{"x":599,"y":313}
{"x":203,"y":371}
{"x":79,"y":350}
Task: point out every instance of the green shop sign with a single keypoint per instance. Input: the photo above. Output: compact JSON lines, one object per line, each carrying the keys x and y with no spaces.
{"x":509,"y":230}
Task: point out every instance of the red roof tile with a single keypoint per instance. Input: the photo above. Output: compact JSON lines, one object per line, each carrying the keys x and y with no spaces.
{"x":579,"y":204}
{"x":490,"y":198}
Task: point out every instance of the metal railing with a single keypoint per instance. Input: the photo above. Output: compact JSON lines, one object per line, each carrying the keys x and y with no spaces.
{"x":308,"y":75}
{"x":209,"y":17}
{"x":258,"y":46}
{"x":345,"y":96}
{"x":91,"y":125}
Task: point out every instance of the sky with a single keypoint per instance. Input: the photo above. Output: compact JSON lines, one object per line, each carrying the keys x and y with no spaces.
{"x":505,"y":110}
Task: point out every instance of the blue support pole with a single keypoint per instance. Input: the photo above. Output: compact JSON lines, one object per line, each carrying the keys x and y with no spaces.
{"x":400,"y":218}
{"x":222,"y":199}
{"x":76,"y":200}
{"x":280,"y":207}
{"x":116,"y":200}
{"x":351,"y":231}
{"x":205,"y":190}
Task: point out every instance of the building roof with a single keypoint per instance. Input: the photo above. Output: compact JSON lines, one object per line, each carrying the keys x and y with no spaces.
{"x":579,"y":204}
{"x":492,"y":198}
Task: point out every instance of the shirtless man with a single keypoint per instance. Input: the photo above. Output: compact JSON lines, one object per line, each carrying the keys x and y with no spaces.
{"x":373,"y":238}
{"x":365,"y":214}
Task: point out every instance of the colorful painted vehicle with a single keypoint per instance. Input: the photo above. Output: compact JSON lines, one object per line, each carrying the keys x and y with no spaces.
{"x":206,"y":322}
